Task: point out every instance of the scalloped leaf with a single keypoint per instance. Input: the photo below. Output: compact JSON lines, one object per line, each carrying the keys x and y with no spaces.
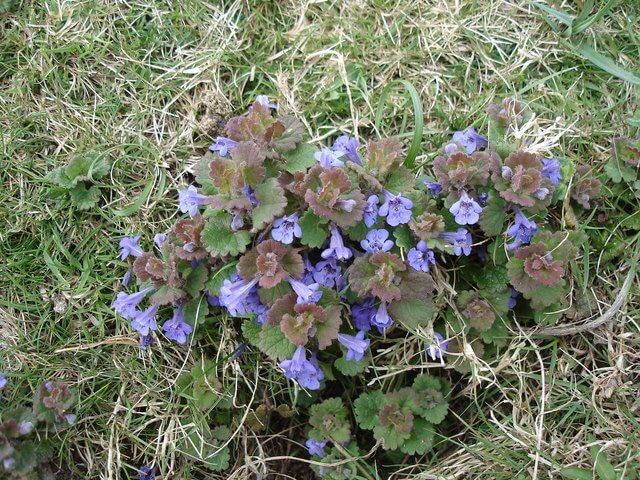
{"x":404,"y":237}
{"x":88,"y":165}
{"x":268,"y":296}
{"x":84,"y":198}
{"x":421,"y":439}
{"x":166,"y":295}
{"x":366,"y":409}
{"x":415,"y":307}
{"x":218,"y":238}
{"x":384,"y":156}
{"x":196,"y":279}
{"x":351,"y":368}
{"x":401,"y":180}
{"x":300,"y":159}
{"x":329,"y":420}
{"x":271,"y":203}
{"x":273,"y":343}
{"x":59,"y":177}
{"x":314,"y":229}
{"x":493,"y":216}
{"x":196,"y":311}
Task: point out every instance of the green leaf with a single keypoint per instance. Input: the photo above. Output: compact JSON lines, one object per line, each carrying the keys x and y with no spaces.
{"x":401,"y":180}
{"x":559,"y":15}
{"x":314,"y":229}
{"x":358,"y":232}
{"x":404,"y":237}
{"x":219,"y":240}
{"x":199,"y":444}
{"x":618,"y":172}
{"x":217,"y":278}
{"x":271,"y":203}
{"x":421,"y":439}
{"x":329,"y":420}
{"x":201,"y":170}
{"x":349,"y":367}
{"x":300,"y":159}
{"x":588,"y":53}
{"x":251,"y":331}
{"x":268,"y":296}
{"x":59,"y":177}
{"x":196,"y":310}
{"x":196,"y":279}
{"x":88,"y":166}
{"x":603,"y":467}
{"x":574,"y":473}
{"x":366,"y":408}
{"x":84,"y":199}
{"x":415,"y":307}
{"x":273,"y":343}
{"x":166,"y":294}
{"x":493,"y":216}
{"x":492,"y":278}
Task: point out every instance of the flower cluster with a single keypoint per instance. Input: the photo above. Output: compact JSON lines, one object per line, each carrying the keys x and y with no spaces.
{"x":326,"y":253}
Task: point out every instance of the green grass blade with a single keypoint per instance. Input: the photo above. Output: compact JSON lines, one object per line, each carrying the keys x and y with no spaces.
{"x":416,"y":142}
{"x":562,"y":17}
{"x":606,"y":64}
{"x":581,"y":24}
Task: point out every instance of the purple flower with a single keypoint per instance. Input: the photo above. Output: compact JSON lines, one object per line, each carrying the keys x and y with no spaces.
{"x":129,"y":246}
{"x":376,"y":241}
{"x":145,"y":321}
{"x":177,"y":329}
{"x":306,"y":293}
{"x":3,"y":380}
{"x":125,"y":303}
{"x":356,"y":345}
{"x":466,"y":210}
{"x":420,"y":257}
{"x":362,"y":313}
{"x":70,"y":418}
{"x":285,"y":228}
{"x":126,"y":280}
{"x":450,"y":149}
{"x":347,"y":146}
{"x":482,"y":199}
{"x":248,"y":192}
{"x":237,"y":221}
{"x":381,"y":319}
{"x":316,"y":448}
{"x":301,"y":369}
{"x":159,"y":239}
{"x":328,"y":159}
{"x":233,"y":295}
{"x":551,"y":170}
{"x":222,"y":146}
{"x":147,"y":473}
{"x":336,"y":247}
{"x":190,"y":200}
{"x":264,"y":100}
{"x":438,"y":347}
{"x":371,"y":211}
{"x":146,"y":341}
{"x":396,"y":208}
{"x":460,"y":240}
{"x":214,"y":301}
{"x":327,"y":273}
{"x":470,"y":140}
{"x":511,"y":304}
{"x":26,"y":427}
{"x":434,"y":187}
{"x":523,"y":229}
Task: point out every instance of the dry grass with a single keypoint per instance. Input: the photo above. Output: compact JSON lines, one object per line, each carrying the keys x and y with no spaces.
{"x":151,"y":82}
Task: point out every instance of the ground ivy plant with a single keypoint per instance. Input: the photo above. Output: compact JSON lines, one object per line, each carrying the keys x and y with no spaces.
{"x":326,"y":253}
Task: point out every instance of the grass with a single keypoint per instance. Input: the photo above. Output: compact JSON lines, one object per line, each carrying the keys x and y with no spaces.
{"x":150,"y":84}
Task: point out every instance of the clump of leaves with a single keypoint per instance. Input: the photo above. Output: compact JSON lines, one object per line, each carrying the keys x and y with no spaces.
{"x":24,"y":457}
{"x":79,"y":176}
{"x":405,"y":419}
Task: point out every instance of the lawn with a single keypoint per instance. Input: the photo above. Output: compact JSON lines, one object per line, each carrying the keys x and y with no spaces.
{"x":149,"y":85}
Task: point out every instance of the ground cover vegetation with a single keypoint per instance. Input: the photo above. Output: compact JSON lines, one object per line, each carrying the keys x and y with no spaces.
{"x":347,"y":240}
